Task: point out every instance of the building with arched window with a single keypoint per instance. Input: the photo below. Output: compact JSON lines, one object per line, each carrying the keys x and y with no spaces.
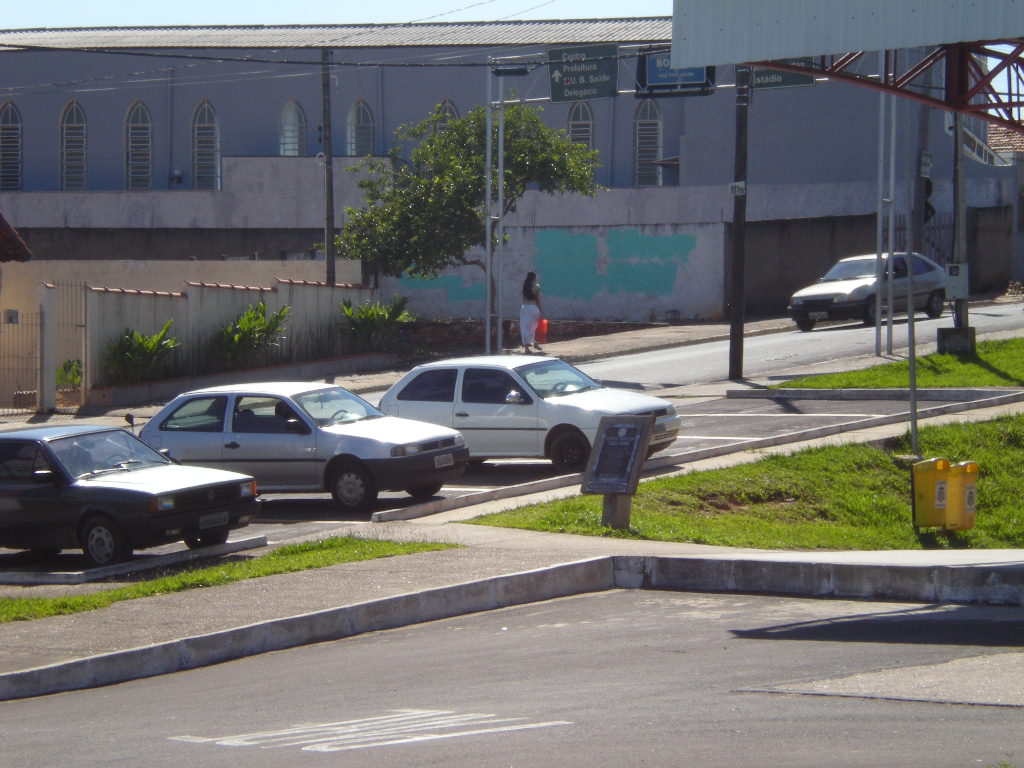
{"x":293,"y":130}
{"x":359,"y":130}
{"x":216,"y":155}
{"x":10,"y":147}
{"x":72,"y":147}
{"x":138,"y":148}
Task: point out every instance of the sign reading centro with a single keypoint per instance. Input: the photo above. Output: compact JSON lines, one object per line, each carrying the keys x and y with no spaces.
{"x":583,"y":72}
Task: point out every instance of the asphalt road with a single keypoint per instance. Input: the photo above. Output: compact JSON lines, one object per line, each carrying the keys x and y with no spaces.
{"x":774,"y":353}
{"x":622,"y":678}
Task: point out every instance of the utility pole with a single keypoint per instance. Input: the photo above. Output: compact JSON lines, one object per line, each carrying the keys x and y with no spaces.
{"x":325,"y":80}
{"x":737,"y":299}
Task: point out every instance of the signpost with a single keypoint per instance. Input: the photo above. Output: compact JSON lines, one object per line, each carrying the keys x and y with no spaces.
{"x":655,"y":77}
{"x":583,"y":73}
{"x":765,"y":77}
{"x":613,"y":469}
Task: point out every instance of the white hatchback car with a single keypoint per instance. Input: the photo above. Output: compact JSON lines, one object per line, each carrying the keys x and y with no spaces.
{"x":307,"y":437}
{"x":523,"y":406}
{"x":848,"y":290}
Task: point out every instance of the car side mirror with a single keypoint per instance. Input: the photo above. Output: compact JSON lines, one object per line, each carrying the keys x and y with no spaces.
{"x":297,"y":426}
{"x":44,"y":476}
{"x":514,"y":397}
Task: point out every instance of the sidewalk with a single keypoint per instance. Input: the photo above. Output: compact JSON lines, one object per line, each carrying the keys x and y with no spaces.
{"x":496,"y":567}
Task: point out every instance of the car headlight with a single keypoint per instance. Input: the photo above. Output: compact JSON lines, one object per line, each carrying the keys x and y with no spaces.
{"x":459,"y":439}
{"x":248,"y":489}
{"x":164,"y":503}
{"x":795,"y":302}
{"x":405,"y":450}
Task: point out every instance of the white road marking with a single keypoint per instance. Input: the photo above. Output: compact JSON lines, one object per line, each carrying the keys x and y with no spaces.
{"x":403,"y":726}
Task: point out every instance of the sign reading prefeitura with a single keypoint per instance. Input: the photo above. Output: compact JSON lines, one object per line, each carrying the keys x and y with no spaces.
{"x":583,"y":72}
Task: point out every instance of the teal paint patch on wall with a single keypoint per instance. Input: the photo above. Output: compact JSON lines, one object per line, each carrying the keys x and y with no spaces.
{"x":572,"y":265}
{"x":452,"y":285}
{"x":567,"y":263}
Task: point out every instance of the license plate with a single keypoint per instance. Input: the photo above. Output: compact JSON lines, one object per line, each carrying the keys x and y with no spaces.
{"x":818,"y":315}
{"x":213,"y":520}
{"x":444,"y":460}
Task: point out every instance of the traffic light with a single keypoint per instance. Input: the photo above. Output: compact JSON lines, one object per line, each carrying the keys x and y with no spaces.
{"x":929,"y":209}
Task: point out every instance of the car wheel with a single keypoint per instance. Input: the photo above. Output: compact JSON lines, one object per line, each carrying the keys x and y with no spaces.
{"x":352,"y":487}
{"x":424,"y":491}
{"x":934,"y":307}
{"x":804,"y":324}
{"x":869,"y":310}
{"x":569,"y":451}
{"x":103,"y":542}
{"x":210,"y":539}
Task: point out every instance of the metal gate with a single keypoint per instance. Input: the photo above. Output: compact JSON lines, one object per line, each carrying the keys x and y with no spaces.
{"x":21,"y":352}
{"x":70,"y":338}
{"x":19,"y":362}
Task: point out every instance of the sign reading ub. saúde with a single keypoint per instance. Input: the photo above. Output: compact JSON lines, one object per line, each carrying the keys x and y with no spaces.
{"x":583,"y":72}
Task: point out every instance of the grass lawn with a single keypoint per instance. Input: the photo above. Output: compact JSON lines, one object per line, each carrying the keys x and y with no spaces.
{"x":287,"y":559}
{"x":839,"y":497}
{"x":996,"y":363}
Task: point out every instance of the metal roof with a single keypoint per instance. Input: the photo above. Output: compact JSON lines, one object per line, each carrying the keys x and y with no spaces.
{"x":713,"y":32}
{"x":484,"y":33}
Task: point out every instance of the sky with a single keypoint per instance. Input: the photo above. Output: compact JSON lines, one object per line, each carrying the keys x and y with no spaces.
{"x":117,"y":13}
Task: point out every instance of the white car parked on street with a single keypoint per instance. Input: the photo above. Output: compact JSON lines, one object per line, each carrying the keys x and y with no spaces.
{"x":523,"y":406}
{"x":307,"y":437}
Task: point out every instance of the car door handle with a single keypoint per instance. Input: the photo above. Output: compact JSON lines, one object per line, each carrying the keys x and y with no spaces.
{"x":232,"y":444}
{"x":460,"y":413}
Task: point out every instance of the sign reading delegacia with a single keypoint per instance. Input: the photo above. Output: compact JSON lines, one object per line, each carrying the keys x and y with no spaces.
{"x":582,"y":73}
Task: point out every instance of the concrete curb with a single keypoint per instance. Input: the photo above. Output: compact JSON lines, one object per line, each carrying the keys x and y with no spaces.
{"x":957,"y":395}
{"x":132,"y":566}
{"x":662,"y":461}
{"x":996,"y":585}
{"x":320,"y":626}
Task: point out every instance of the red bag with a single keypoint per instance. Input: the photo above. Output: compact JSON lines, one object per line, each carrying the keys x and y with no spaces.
{"x":541,"y":334}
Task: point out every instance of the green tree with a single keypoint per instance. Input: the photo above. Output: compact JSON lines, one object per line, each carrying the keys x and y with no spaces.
{"x":423,"y":214}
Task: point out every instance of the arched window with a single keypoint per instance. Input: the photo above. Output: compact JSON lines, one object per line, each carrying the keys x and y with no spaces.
{"x":581,"y":124}
{"x":293,"y":130}
{"x":10,"y":147}
{"x":359,"y":141}
{"x":138,"y":147}
{"x":447,"y":111}
{"x":72,"y":147}
{"x":205,"y":148}
{"x":647,"y":144}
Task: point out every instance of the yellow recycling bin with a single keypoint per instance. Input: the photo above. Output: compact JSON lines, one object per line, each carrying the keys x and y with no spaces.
{"x":930,"y":484}
{"x":962,"y":496}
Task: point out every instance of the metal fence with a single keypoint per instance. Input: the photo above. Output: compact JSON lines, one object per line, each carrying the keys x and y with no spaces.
{"x":19,"y":361}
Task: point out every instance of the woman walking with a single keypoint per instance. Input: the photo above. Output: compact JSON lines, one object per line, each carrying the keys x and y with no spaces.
{"x":530,"y":313}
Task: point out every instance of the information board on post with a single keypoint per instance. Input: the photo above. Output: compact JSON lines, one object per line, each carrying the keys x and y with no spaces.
{"x":618,"y":455}
{"x":583,"y":72}
{"x":655,"y":77}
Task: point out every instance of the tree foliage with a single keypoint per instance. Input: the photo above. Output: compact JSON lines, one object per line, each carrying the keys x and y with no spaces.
{"x":422,"y":215}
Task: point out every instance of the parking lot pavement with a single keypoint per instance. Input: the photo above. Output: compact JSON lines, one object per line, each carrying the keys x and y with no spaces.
{"x":498,"y":567}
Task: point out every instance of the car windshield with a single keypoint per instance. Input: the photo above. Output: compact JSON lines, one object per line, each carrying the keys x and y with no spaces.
{"x":552,"y":378}
{"x":335,"y":405}
{"x":849,"y":270}
{"x":100,"y":452}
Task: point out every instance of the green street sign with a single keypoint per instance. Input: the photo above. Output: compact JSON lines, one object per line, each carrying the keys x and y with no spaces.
{"x":583,"y":72}
{"x":764,"y":77}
